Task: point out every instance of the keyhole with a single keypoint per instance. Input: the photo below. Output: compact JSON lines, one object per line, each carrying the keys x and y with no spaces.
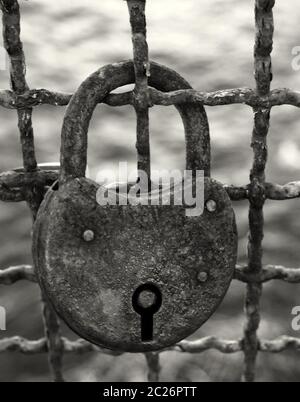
{"x":146,"y":301}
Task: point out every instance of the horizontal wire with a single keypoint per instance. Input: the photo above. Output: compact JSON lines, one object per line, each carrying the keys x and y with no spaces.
{"x":12,"y":275}
{"x":246,"y":96}
{"x":14,"y":183}
{"x":28,"y":347}
{"x":21,"y":345}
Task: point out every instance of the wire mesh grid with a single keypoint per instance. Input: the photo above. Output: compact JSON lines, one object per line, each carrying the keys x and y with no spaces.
{"x":30,"y":183}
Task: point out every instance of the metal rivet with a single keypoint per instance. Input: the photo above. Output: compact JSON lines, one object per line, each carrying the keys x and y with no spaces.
{"x":88,"y":235}
{"x":211,"y":206}
{"x":202,"y":277}
{"x":146,"y":299}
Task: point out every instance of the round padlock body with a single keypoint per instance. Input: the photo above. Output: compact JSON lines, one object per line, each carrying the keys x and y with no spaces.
{"x":132,"y":278}
{"x":185,"y":262}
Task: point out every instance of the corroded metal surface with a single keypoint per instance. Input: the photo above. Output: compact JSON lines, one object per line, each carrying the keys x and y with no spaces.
{"x":97,"y":87}
{"x":91,"y":284}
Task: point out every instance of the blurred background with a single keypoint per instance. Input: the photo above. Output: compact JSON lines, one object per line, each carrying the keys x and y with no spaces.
{"x":210,"y":43}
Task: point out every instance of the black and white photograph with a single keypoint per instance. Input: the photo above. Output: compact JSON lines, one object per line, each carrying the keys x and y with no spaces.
{"x":149,"y":194}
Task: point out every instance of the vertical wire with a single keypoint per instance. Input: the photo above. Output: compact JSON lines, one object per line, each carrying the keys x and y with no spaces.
{"x":153,"y":363}
{"x":142,"y":73}
{"x":14,"y":47}
{"x":263,"y":75}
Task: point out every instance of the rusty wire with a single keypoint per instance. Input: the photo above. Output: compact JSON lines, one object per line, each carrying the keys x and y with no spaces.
{"x":29,"y":184}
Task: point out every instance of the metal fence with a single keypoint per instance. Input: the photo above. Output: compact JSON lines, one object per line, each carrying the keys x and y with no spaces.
{"x":30,"y":183}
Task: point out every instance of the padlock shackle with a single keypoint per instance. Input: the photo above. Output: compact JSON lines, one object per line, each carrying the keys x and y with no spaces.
{"x":98,"y":86}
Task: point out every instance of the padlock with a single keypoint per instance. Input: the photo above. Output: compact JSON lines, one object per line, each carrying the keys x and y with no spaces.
{"x":132,"y":278}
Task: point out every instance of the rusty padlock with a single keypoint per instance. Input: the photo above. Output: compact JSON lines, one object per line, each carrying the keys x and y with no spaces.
{"x":132,"y":278}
